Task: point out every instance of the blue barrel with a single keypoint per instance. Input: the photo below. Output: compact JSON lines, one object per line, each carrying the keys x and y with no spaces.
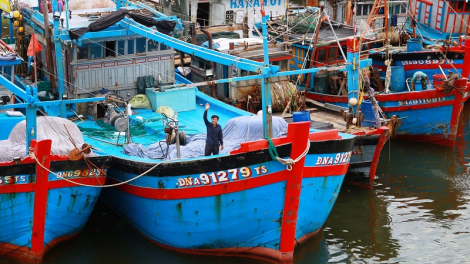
{"x":369,"y":118}
{"x":301,"y":116}
{"x":413,"y":45}
{"x":397,"y":80}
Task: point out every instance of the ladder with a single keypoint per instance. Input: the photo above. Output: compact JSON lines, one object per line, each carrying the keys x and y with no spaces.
{"x":373,"y":16}
{"x":440,"y":11}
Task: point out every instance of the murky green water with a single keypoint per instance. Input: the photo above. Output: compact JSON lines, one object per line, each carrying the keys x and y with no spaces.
{"x":418,"y":212}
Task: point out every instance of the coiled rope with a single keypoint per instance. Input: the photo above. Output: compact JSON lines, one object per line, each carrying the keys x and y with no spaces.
{"x":287,"y":162}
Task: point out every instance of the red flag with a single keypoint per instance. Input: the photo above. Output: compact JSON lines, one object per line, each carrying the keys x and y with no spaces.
{"x":34,"y":46}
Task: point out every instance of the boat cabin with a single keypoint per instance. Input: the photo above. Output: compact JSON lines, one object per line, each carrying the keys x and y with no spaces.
{"x":110,"y":59}
{"x":238,"y":92}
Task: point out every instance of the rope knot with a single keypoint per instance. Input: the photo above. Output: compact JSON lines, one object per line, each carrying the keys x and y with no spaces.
{"x":288,"y":162}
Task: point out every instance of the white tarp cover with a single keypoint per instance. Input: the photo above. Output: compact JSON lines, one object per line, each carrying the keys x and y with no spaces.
{"x":237,"y":130}
{"x":48,"y":127}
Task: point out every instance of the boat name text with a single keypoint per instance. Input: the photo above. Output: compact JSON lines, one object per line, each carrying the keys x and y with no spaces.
{"x":13,"y":179}
{"x":417,"y":62}
{"x":81,"y":173}
{"x":422,"y":101}
{"x":340,"y":158}
{"x":221,"y":176}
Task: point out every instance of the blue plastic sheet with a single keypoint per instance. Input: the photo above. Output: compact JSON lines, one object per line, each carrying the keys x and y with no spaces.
{"x":237,"y":130}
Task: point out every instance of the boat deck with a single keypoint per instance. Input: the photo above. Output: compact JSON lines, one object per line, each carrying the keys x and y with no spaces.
{"x":321,"y":119}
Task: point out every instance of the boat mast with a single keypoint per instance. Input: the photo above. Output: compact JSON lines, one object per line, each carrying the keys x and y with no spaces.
{"x":47,"y":35}
{"x":387,"y":28}
{"x":314,"y":47}
{"x":266,"y":86}
{"x":412,"y":17}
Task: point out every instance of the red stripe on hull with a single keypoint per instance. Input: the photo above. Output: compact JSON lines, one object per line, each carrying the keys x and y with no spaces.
{"x":434,"y":93}
{"x":260,"y":253}
{"x":17,"y":188}
{"x":417,"y":107}
{"x":310,"y":172}
{"x":435,"y":139}
{"x":30,"y":187}
{"x":89,"y":181}
{"x":423,"y":67}
{"x":25,"y":254}
{"x":212,"y":190}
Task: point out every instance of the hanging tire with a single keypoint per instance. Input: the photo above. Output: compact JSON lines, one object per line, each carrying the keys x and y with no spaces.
{"x":182,"y":137}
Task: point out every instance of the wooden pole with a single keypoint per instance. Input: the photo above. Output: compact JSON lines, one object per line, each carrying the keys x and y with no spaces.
{"x":35,"y":72}
{"x":312,"y":57}
{"x":49,"y":48}
{"x":387,"y":37}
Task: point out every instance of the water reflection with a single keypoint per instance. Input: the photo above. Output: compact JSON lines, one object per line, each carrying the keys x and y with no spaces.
{"x":418,"y":212}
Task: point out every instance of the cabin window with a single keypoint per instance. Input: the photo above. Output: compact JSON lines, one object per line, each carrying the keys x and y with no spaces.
{"x":121,"y":47}
{"x":332,"y":54}
{"x":82,"y":52}
{"x":163,"y":47}
{"x":131,"y":46}
{"x":110,"y":49}
{"x":321,"y":55}
{"x":153,"y":45}
{"x":96,"y":50}
{"x":140,"y":45}
{"x":460,"y":5}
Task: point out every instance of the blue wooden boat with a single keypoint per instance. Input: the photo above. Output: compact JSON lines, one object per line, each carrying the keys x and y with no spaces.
{"x":242,"y":203}
{"x":45,"y":198}
{"x":256,"y":200}
{"x":426,"y":115}
{"x":430,"y":115}
{"x":41,"y":209}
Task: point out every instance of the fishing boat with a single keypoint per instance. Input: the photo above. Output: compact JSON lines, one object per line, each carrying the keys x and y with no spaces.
{"x":49,"y":181}
{"x":412,"y":108}
{"x":48,"y":184}
{"x":43,"y":204}
{"x":246,"y":94}
{"x":256,"y":199}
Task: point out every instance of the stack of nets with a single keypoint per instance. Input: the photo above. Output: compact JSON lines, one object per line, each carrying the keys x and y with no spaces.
{"x":304,"y":22}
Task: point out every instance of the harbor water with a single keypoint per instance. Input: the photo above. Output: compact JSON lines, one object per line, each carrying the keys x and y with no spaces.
{"x":418,"y":212}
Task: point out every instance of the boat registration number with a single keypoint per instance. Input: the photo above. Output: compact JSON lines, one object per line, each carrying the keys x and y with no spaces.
{"x":13,"y":179}
{"x":340,"y":158}
{"x":422,"y":101}
{"x":221,"y":176}
{"x":81,"y":173}
{"x":418,"y":62}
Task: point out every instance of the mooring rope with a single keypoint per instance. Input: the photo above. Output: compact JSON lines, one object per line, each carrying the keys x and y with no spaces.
{"x":31,"y":154}
{"x":288,"y":162}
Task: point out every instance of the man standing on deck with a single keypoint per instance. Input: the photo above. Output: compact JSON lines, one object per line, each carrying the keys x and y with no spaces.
{"x":214,"y":134}
{"x":419,"y":76}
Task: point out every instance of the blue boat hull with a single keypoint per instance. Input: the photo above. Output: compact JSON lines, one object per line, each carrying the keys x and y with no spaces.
{"x":39,"y":209}
{"x":427,"y":116}
{"x":243,"y":210}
